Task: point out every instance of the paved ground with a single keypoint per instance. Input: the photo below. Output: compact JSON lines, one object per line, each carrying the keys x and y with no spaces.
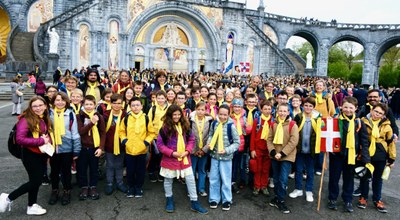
{"x":151,"y":206}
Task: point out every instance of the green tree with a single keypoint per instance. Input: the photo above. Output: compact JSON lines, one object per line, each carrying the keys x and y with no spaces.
{"x":303,"y":49}
{"x":355,"y":75}
{"x":338,"y":70}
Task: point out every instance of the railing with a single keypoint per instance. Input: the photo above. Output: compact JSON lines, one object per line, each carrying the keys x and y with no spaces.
{"x":282,"y":55}
{"x":10,"y":37}
{"x":63,"y":17}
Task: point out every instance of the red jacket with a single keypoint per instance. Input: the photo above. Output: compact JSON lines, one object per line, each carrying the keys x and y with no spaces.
{"x":256,"y":143}
{"x":109,"y":145}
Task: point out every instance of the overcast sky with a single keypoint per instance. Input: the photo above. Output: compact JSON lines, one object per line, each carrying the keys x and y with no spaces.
{"x":346,"y":11}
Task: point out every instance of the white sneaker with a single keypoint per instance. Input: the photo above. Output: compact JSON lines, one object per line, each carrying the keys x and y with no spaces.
{"x":4,"y":203}
{"x":318,"y":173}
{"x":309,"y":196}
{"x":35,"y":209}
{"x":296,"y":193}
{"x":291,"y":176}
{"x":271,"y":183}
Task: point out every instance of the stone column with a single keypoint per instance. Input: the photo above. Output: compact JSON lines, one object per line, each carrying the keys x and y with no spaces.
{"x":370,"y":74}
{"x":322,"y":59}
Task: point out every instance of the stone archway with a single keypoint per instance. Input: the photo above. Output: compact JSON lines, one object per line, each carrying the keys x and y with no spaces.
{"x":184,"y":13}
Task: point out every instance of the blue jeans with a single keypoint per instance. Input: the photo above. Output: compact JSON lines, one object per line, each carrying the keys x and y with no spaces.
{"x":376,"y":181}
{"x":220,"y":181}
{"x":87,"y":160}
{"x":238,"y":166}
{"x":337,"y":165}
{"x":281,"y":172}
{"x":199,"y":164}
{"x":318,"y":162}
{"x":304,"y":161}
{"x":115,"y":168}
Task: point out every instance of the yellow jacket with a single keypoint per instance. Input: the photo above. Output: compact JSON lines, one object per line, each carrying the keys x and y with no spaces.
{"x":156,"y":122}
{"x":136,"y":141}
{"x":385,"y":136}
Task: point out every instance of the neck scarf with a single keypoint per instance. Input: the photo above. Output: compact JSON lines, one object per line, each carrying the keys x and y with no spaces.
{"x":238,"y":124}
{"x":161,"y":109}
{"x":218,"y":134}
{"x":162,"y":87}
{"x":212,"y":112}
{"x":68,"y":93}
{"x":122,"y":90}
{"x":76,"y":108}
{"x":182,"y":107}
{"x":116,"y":133}
{"x":350,"y":139}
{"x":59,"y":125}
{"x":374,"y":136}
{"x":317,"y":124}
{"x":250,"y":117}
{"x":278,"y":138}
{"x":108,"y":105}
{"x":181,"y":144}
{"x":265,"y":130}
{"x":267,"y":95}
{"x":220,"y":102}
{"x":319,"y":98}
{"x":92,"y":89}
{"x":95,"y":131}
{"x":137,"y":124}
{"x":200,"y":128}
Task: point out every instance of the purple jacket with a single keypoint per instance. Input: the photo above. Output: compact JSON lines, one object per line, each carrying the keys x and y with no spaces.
{"x":24,"y":136}
{"x":170,"y":162}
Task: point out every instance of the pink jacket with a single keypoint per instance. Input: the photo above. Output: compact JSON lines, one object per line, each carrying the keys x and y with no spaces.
{"x":24,"y":137}
{"x":242,"y":121}
{"x":168,"y":161}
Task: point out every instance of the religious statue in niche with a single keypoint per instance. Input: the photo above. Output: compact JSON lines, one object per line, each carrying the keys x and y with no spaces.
{"x":84,"y":45}
{"x":171,"y":36}
{"x":113,"y":45}
{"x":54,"y":39}
{"x":309,"y":60}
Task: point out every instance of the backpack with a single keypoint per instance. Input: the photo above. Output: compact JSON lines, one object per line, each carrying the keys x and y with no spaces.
{"x":229,"y":130}
{"x":291,"y":124}
{"x":14,"y":148}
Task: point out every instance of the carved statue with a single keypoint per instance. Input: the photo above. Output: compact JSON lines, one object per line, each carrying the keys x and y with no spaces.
{"x":309,"y":60}
{"x":54,"y":39}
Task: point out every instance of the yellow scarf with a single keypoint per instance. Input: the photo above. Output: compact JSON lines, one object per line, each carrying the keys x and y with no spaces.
{"x":268,"y":95}
{"x":374,"y":136}
{"x":94,"y":131}
{"x":319,"y":98}
{"x":92,"y":89}
{"x":68,"y":93}
{"x":161,"y":109}
{"x":220,"y":102}
{"x":120,"y":91}
{"x":116,"y":133}
{"x":265,"y":130}
{"x":212,"y":112}
{"x":181,"y":144}
{"x":200,"y":128}
{"x":59,"y":125}
{"x":278,"y":138}
{"x":218,"y":134}
{"x":182,"y":107}
{"x":250,"y":117}
{"x":108,"y":105}
{"x":350,"y":139}
{"x":162,"y":87}
{"x":238,"y":124}
{"x":76,"y":108}
{"x":137,"y":124}
{"x":196,"y":102}
{"x":317,"y":124}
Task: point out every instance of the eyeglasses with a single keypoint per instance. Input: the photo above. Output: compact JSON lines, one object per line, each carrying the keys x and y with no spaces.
{"x":52,"y":91}
{"x":136,"y":105}
{"x":373,"y":97}
{"x":378,"y":112}
{"x":37,"y":106}
{"x":117,"y":103}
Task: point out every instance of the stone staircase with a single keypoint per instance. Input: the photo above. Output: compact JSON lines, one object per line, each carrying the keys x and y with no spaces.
{"x":299,"y":62}
{"x":6,"y":95}
{"x":22,"y":46}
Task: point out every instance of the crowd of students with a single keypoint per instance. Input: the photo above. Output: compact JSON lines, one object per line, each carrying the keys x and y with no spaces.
{"x":237,"y":132}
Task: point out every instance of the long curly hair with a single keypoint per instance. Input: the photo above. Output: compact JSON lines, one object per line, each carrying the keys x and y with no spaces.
{"x":33,"y":119}
{"x":169,"y":124}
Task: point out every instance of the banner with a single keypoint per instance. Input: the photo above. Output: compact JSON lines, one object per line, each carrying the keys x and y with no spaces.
{"x":330,"y":135}
{"x":244,"y":67}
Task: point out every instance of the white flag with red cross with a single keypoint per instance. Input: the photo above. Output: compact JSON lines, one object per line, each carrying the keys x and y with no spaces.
{"x":330,"y":135}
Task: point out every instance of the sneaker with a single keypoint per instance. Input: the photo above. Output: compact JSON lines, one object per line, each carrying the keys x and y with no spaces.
{"x":296,"y":193}
{"x":35,"y":209}
{"x":152,"y":177}
{"x":53,"y":197}
{"x":380,"y":206}
{"x":291,"y":176}
{"x":362,"y":203}
{"x":131,"y":193}
{"x":357,"y":192}
{"x":309,"y":196}
{"x":226,"y":206}
{"x":235,"y":188}
{"x":318,"y":173}
{"x":203,"y":194}
{"x":45,"y":180}
{"x":73,"y":168}
{"x":283,"y":208}
{"x":332,"y":205}
{"x":84,"y":193}
{"x":265,"y":191}
{"x":66,"y":197}
{"x":256,"y":192}
{"x":304,"y":176}
{"x":271,"y":183}
{"x":274,"y":202}
{"x":94,"y":195}
{"x":213,"y":205}
{"x":122,"y":188}
{"x":4,"y":203}
{"x":139,"y":193}
{"x":160,"y":179}
{"x":348,"y":207}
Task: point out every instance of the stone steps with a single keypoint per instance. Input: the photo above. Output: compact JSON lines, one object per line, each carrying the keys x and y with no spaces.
{"x":22,"y":46}
{"x":300,"y":67}
{"x":6,"y":95}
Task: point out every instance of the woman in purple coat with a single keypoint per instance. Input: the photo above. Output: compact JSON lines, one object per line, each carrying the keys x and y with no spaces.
{"x":175,"y":141}
{"x":33,"y":131}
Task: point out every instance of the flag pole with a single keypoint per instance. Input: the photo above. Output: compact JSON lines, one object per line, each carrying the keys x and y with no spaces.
{"x":321,"y":181}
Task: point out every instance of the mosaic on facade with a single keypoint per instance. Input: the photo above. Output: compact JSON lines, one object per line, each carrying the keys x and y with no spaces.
{"x":135,"y":7}
{"x":5,"y":28}
{"x":40,"y":12}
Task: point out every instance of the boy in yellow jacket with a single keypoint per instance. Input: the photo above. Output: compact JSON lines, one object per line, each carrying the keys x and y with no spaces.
{"x":136,"y":141}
